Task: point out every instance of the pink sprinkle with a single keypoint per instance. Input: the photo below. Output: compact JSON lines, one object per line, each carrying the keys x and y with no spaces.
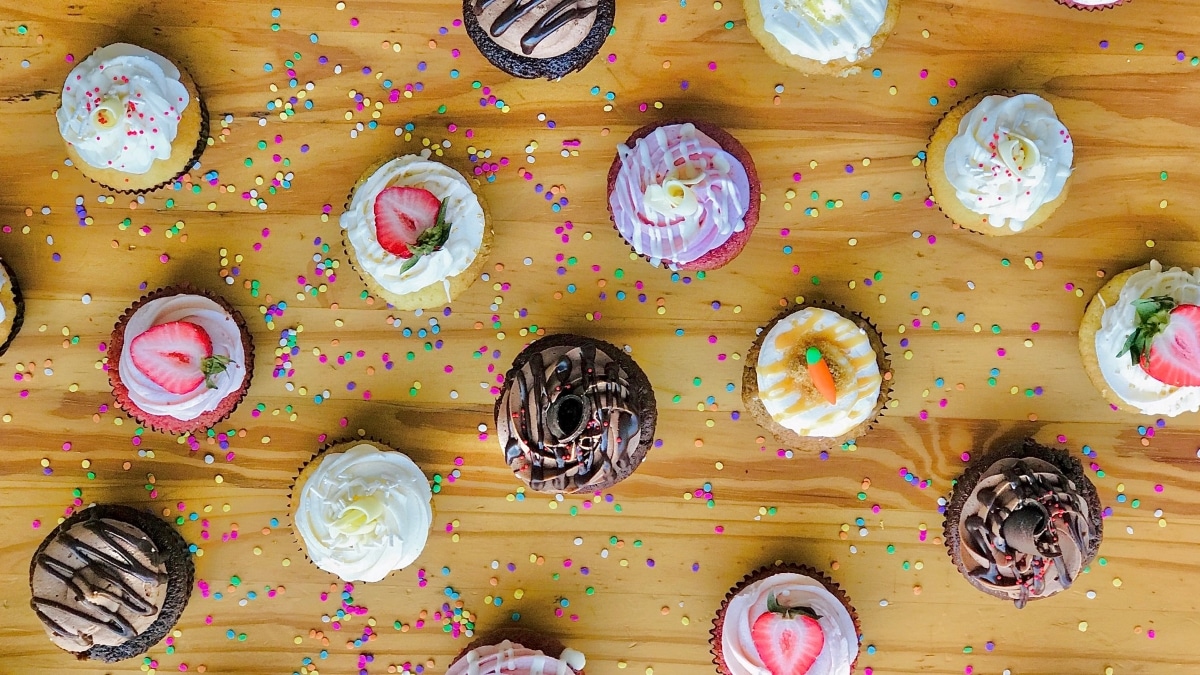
{"x":354,"y":23}
{"x":1001,"y":352}
{"x":712,"y":65}
{"x":612,"y":58}
{"x":1062,"y":438}
{"x":36,"y":524}
{"x":924,"y":73}
{"x":662,"y":18}
{"x":1035,"y":327}
{"x":1158,"y":488}
{"x":719,"y":529}
{"x":1150,"y":633}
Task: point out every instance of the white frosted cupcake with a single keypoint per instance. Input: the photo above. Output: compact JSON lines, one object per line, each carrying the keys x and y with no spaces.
{"x":361,"y":510}
{"x":822,"y":37}
{"x":416,"y":232}
{"x":1000,"y":164}
{"x":131,"y":119}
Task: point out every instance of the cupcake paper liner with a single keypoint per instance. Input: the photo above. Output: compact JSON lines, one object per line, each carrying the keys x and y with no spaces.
{"x":550,"y":646}
{"x":165,"y":423}
{"x":764,"y":573}
{"x":18,"y":319}
{"x":790,"y":438}
{"x":553,"y":68}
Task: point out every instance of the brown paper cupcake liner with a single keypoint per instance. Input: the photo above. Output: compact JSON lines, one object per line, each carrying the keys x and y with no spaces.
{"x":1071,"y":467}
{"x":726,"y":252}
{"x":181,"y":573}
{"x":789,"y":438}
{"x":165,"y":423}
{"x":546,"y":644}
{"x":1092,"y":8}
{"x":18,"y":319}
{"x":767,"y":572}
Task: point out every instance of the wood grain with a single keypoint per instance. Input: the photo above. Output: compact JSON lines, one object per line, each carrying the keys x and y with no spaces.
{"x":1130,"y":110}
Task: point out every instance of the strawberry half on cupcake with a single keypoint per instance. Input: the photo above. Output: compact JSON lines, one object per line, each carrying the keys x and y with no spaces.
{"x":416,"y":232}
{"x":684,"y":195}
{"x":180,"y":360}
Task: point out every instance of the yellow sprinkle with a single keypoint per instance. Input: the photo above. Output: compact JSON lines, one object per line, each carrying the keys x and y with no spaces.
{"x":219,"y":478}
{"x":1117,"y":582}
{"x":287,"y":562}
{"x":1082,"y":626}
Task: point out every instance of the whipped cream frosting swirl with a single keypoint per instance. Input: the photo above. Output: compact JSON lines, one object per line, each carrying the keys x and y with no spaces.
{"x":1011,"y":157}
{"x":121,"y":108}
{"x":678,"y":195}
{"x":510,"y":658}
{"x":1025,"y":530}
{"x":364,"y":513}
{"x":840,"y":650}
{"x":1127,"y":380}
{"x":226,"y":339}
{"x":825,"y":30}
{"x":463,"y":211}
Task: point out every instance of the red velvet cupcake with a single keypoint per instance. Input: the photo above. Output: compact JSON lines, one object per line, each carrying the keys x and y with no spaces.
{"x":180,"y":360}
{"x":1092,"y":5}
{"x":521,"y":652}
{"x":684,"y":194}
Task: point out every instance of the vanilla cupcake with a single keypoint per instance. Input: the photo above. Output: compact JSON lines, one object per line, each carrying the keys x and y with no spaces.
{"x":131,"y":119}
{"x":361,"y":510}
{"x":822,"y":37}
{"x":1000,"y":164}
{"x":12,"y":307}
{"x":417,"y":232}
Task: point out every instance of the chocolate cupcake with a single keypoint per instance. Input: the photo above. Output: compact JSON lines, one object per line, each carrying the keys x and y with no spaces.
{"x":520,"y":652}
{"x":12,"y":307}
{"x":536,"y":39}
{"x":1023,"y":522}
{"x":575,"y":415}
{"x":110,"y":582}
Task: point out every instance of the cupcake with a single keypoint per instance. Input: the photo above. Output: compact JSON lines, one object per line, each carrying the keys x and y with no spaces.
{"x":517,"y":652}
{"x":785,"y":619}
{"x":826,"y":37}
{"x":999,"y":164}
{"x":361,"y":510}
{"x":1023,"y":522}
{"x":12,"y":307}
{"x":1092,"y":5}
{"x":816,"y":377}
{"x":539,"y":40}
{"x":684,"y":195}
{"x":416,"y":232}
{"x":131,"y":119}
{"x":575,"y":415}
{"x":180,"y":360}
{"x":110,"y":582}
{"x":1140,"y":340}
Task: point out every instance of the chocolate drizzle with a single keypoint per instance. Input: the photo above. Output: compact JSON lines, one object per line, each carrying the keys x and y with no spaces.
{"x":557,"y":17}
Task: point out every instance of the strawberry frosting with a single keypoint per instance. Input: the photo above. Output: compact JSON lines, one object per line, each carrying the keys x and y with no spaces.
{"x":226,"y":341}
{"x":678,"y":195}
{"x":791,"y":590}
{"x":509,"y":658}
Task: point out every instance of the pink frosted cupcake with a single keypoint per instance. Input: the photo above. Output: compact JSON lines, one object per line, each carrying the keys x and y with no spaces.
{"x":517,"y":652}
{"x":1092,"y":5}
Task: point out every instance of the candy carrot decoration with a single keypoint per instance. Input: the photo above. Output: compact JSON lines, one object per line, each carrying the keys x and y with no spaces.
{"x":822,"y":379}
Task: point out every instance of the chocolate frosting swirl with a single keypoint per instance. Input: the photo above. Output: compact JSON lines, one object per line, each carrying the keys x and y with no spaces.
{"x":523,"y":18}
{"x":571,"y":416}
{"x":99,"y":582}
{"x":1026,"y":530}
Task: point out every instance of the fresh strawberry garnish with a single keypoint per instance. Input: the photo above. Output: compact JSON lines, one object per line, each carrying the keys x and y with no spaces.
{"x":402,"y":216}
{"x":177,"y":356}
{"x":788,"y":639}
{"x":1166,"y":341}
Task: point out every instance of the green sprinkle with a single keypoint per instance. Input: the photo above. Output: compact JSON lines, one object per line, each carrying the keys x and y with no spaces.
{"x":812,"y":355}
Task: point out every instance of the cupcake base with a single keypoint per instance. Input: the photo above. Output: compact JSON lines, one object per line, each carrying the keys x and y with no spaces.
{"x":1068,"y":465}
{"x":547,"y":645}
{"x":14,"y":307}
{"x":765,"y":573}
{"x":944,"y":194}
{"x":166,"y":423}
{"x":554,"y":68}
{"x":782,"y":434}
{"x":181,"y":572}
{"x":725,"y":253}
{"x":1106,"y":297}
{"x":838,"y":67}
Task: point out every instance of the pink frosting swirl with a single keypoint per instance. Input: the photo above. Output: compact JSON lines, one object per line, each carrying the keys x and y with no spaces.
{"x":678,"y":195}
{"x":508,"y":658}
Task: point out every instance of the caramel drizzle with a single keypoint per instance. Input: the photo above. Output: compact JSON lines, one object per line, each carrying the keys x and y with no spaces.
{"x":562,"y":14}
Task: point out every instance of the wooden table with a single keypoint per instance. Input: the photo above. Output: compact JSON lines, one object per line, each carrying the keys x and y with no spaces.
{"x":855,"y":232}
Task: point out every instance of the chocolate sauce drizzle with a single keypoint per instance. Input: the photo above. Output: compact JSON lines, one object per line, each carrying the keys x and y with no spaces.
{"x":562,"y":14}
{"x":572,"y":426}
{"x":103,"y":578}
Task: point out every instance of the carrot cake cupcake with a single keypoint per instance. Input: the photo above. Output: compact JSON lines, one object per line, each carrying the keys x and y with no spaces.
{"x":131,"y":119}
{"x":539,"y":40}
{"x":517,"y":652}
{"x":12,"y":307}
{"x":822,"y":37}
{"x":417,"y":232}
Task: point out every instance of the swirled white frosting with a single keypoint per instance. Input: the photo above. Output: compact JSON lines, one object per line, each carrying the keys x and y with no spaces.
{"x":509,"y":658}
{"x":1011,"y":157}
{"x":121,"y":108}
{"x":3,"y":280}
{"x":226,"y":341}
{"x":1094,"y":3}
{"x":791,"y":590}
{"x":364,"y":513}
{"x":678,"y":195}
{"x":825,"y":30}
{"x":463,"y":212}
{"x":1129,"y":381}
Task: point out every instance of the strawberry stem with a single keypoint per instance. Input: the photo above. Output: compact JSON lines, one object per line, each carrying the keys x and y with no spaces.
{"x":213,"y":366}
{"x":1151,"y":316}
{"x":789,"y":612}
{"x":430,"y":240}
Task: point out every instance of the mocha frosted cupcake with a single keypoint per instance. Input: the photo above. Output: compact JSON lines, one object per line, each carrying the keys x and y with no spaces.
{"x":575,"y":415}
{"x":110,"y":582}
{"x":539,"y":40}
{"x":1023,"y":522}
{"x":517,"y":652}
{"x":361,"y":510}
{"x":12,"y":307}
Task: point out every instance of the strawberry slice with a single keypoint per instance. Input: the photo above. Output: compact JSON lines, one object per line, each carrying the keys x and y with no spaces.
{"x":1166,"y":341}
{"x":177,"y":356}
{"x":401,"y":215}
{"x":788,"y":639}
